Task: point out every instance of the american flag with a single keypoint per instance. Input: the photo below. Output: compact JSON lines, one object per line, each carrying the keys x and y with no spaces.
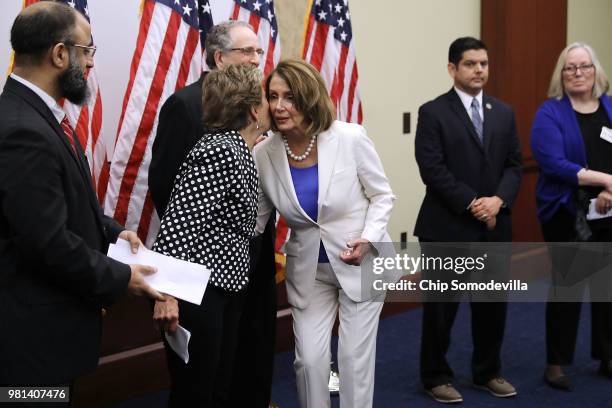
{"x":260,"y":15}
{"x":168,"y":56}
{"x":87,"y":119}
{"x":329,"y":46}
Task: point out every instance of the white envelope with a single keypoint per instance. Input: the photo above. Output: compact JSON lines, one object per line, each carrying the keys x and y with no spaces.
{"x":179,"y":342}
{"x":181,"y":279}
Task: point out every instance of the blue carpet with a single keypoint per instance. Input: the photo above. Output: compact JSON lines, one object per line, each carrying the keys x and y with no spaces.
{"x":397,"y":381}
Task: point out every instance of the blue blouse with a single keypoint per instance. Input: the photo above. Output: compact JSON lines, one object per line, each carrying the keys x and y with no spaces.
{"x":306,"y":185}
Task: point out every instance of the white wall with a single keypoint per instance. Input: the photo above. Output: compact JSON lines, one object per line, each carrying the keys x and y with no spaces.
{"x":402,"y":52}
{"x":589,"y":21}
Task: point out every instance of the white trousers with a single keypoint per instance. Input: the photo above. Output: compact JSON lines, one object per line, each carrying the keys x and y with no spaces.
{"x":358,"y":328}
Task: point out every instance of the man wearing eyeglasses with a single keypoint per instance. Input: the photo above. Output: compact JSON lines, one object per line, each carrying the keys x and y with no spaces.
{"x":180,"y":118}
{"x":54,"y":275}
{"x":179,"y":128}
{"x":470,"y":161}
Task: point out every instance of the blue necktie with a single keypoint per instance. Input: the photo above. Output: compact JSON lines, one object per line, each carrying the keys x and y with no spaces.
{"x":476,"y":119}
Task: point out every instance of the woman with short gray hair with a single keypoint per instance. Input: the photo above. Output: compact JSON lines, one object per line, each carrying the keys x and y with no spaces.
{"x":210,"y":220}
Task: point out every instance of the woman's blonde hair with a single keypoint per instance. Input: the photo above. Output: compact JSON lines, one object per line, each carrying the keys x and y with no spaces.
{"x":228,"y":96}
{"x":310,"y":94}
{"x":601,"y":86}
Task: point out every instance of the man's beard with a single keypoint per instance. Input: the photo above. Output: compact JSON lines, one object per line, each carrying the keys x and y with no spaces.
{"x":73,"y":83}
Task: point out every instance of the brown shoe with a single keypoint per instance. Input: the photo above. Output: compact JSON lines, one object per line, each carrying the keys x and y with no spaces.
{"x":498,"y":387}
{"x":445,"y":393}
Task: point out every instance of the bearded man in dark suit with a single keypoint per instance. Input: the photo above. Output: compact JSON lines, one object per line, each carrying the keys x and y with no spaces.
{"x":54,"y":275}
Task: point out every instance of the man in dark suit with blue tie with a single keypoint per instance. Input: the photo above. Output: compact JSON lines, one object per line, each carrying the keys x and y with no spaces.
{"x":470,"y":161}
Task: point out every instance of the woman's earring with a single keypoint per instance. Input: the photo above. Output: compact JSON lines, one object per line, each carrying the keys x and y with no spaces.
{"x":256,"y":125}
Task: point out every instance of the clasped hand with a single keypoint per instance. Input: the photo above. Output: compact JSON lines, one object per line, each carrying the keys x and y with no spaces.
{"x":485,"y":209}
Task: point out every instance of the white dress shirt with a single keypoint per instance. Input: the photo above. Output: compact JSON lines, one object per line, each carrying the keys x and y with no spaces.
{"x":466,"y":100}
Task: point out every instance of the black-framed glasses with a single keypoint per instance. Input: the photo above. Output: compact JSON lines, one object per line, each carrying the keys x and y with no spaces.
{"x":248,"y":51}
{"x":88,"y":50}
{"x":584,"y":68}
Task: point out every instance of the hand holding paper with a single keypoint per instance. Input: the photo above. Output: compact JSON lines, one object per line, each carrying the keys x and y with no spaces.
{"x":181,"y":279}
{"x":603,"y":203}
{"x":132,"y":238}
{"x":598,"y":208}
{"x":138,"y":285}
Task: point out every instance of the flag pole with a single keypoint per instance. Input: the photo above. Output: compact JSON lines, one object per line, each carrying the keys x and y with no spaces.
{"x":306,"y":18}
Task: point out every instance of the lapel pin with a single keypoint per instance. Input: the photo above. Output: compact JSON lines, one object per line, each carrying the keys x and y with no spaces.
{"x":488,"y":105}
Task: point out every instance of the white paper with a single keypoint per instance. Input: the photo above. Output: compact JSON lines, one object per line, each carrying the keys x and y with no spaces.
{"x":606,"y":134}
{"x":181,"y":279}
{"x":179,"y":342}
{"x":593,"y":214}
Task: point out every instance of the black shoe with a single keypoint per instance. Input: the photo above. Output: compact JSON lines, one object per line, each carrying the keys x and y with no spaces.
{"x":561,"y":382}
{"x":605,"y":369}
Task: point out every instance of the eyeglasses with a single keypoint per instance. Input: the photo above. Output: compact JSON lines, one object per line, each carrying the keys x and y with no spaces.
{"x":248,"y":51}
{"x":88,"y":50}
{"x":585,"y":69}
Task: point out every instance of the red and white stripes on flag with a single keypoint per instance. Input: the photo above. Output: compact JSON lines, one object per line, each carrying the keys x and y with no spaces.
{"x":86,"y":120}
{"x":260,"y":15}
{"x":168,"y":56}
{"x":329,"y":46}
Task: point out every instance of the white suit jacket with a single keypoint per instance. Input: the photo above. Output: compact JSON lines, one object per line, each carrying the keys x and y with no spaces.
{"x":354,"y":198}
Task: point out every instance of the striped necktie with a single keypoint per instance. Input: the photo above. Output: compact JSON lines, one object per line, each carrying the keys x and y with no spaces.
{"x":69,"y":132}
{"x":476,"y":119}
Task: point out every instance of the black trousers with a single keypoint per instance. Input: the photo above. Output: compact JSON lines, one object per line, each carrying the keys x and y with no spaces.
{"x":562,"y":317}
{"x":252,"y":380}
{"x":488,"y":324}
{"x":206,"y":380}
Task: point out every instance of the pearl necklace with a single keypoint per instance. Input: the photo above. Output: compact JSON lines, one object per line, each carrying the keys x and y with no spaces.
{"x":306,"y":153}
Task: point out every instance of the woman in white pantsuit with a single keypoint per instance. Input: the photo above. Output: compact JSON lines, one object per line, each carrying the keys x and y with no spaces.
{"x":325,"y":178}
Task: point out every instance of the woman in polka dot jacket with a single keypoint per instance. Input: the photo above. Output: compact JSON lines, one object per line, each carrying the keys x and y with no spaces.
{"x":210,"y":220}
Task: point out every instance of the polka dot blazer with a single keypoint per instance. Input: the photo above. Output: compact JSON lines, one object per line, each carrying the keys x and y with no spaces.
{"x":212,"y":210}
